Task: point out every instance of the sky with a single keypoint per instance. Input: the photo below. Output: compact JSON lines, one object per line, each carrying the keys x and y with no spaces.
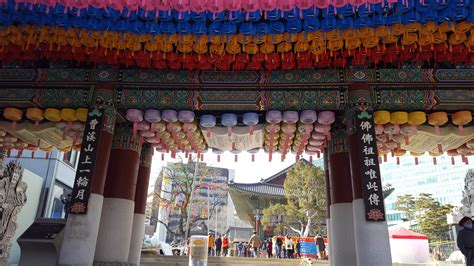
{"x":246,"y":171}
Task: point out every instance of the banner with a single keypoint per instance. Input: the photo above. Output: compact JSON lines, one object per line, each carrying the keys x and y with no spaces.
{"x":371,"y":182}
{"x":86,"y":165}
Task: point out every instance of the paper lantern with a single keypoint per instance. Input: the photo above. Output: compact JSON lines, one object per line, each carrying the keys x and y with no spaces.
{"x":35,"y":115}
{"x":305,"y":128}
{"x":229,"y":120}
{"x":308,"y":116}
{"x":318,"y":136}
{"x":381,"y":117}
{"x":461,"y":119}
{"x":275,"y":128}
{"x":135,"y":116}
{"x":169,"y":116}
{"x":416,"y":118}
{"x":13,"y":114}
{"x":250,"y":119}
{"x":290,"y":117}
{"x":208,"y":122}
{"x":437,"y":119}
{"x":288,"y":128}
{"x":397,"y":119}
{"x":81,"y":114}
{"x":68,"y":115}
{"x":186,"y":116}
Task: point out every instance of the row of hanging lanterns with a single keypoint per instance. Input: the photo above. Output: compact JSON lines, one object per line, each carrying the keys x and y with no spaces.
{"x":395,"y":128}
{"x":168,"y":130}
{"x":151,"y":9}
{"x":306,"y":131}
{"x":229,"y":120}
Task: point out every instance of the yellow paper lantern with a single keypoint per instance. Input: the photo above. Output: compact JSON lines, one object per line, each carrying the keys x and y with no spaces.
{"x":416,"y":118}
{"x":35,"y":114}
{"x":381,"y":117}
{"x":13,"y":114}
{"x":81,"y":114}
{"x":437,"y":119}
{"x":461,"y":119}
{"x":52,"y":114}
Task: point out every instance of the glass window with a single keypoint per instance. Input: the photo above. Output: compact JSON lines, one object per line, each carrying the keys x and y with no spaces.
{"x":61,"y":196}
{"x":71,"y":158}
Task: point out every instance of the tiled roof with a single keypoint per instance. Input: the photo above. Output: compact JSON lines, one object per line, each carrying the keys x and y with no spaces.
{"x":282,"y":172}
{"x":259,"y":188}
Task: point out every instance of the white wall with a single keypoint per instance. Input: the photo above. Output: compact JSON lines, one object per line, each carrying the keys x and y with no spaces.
{"x":28,"y":212}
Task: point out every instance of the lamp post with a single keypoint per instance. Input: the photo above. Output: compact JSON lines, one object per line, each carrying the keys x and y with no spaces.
{"x":258,"y":215}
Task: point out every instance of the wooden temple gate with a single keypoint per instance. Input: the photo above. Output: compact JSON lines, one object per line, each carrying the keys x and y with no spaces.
{"x":352,"y":81}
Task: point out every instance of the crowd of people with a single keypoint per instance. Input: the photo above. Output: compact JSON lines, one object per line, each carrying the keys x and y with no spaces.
{"x":274,"y":247}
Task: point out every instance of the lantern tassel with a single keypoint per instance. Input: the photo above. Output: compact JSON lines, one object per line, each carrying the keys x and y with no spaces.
{"x":461,"y":130}
{"x":416,"y":160}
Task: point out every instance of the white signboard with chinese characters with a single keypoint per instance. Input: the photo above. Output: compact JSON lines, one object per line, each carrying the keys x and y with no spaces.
{"x":371,"y":182}
{"x":85,"y":167}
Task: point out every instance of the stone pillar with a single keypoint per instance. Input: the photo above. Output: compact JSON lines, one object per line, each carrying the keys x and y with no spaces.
{"x":116,"y":222}
{"x":80,"y":235}
{"x":328,"y":205}
{"x":342,"y":229}
{"x":141,"y":193}
{"x":371,"y":237}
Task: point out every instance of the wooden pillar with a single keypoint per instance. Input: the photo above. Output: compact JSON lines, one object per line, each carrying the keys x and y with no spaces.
{"x":342,"y":229}
{"x":116,"y":222}
{"x":80,"y":235}
{"x":141,"y":195}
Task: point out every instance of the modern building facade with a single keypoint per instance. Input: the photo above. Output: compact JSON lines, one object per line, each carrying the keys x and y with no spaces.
{"x":444,"y":181}
{"x":210,"y":203}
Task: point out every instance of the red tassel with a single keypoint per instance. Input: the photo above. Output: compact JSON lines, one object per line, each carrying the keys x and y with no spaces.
{"x":318,"y":154}
{"x":440,"y":148}
{"x":236,"y":158}
{"x":251,"y":130}
{"x":36,"y":124}
{"x":202,"y":157}
{"x":190,"y":157}
{"x":282,"y":158}
{"x":380,"y":160}
{"x":398,"y":160}
{"x":461,"y":130}
{"x":233,"y":145}
{"x":186,"y":154}
{"x":434,"y":161}
{"x":173,"y":154}
{"x":253,"y":157}
{"x":466,"y":161}
{"x":218,"y":158}
{"x":134,"y":131}
{"x":416,"y":160}
{"x":208,"y":130}
{"x":407,"y":140}
{"x":311,"y":159}
{"x":14,"y":124}
{"x":452,"y":161}
{"x":437,"y":131}
{"x":32,"y":154}
{"x":47,"y":155}
{"x":229,"y":131}
{"x":385,"y":158}
{"x":270,"y":156}
{"x":9,"y":152}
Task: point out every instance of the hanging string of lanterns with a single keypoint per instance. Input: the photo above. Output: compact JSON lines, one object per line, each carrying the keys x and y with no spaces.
{"x":168,"y":131}
{"x":60,"y":128}
{"x":216,"y":9}
{"x":395,"y":129}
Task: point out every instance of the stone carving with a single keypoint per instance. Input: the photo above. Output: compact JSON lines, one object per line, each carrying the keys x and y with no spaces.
{"x":12,"y":199}
{"x":467,"y":201}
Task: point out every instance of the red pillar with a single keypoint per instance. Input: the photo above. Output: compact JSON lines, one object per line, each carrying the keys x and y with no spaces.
{"x":116,"y":221}
{"x":80,"y":234}
{"x":141,"y":195}
{"x":342,"y":229}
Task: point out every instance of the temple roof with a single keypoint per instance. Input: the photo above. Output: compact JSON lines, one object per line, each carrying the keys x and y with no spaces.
{"x":260,"y":189}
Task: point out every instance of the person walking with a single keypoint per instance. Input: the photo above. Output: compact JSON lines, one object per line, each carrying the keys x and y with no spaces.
{"x":240,"y":249}
{"x":269,"y":247}
{"x":465,"y":240}
{"x":274,"y":239}
{"x":321,"y":246}
{"x":289,"y":247}
{"x":298,"y":249}
{"x":255,"y":243}
{"x":225,"y":246}
{"x":210,"y":245}
{"x":218,"y":245}
{"x":279,"y":244}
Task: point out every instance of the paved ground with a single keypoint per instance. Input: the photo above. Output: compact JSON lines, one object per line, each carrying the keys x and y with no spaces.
{"x":228,"y":261}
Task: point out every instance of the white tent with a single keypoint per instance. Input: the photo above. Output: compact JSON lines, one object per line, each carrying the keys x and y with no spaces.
{"x":408,"y":247}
